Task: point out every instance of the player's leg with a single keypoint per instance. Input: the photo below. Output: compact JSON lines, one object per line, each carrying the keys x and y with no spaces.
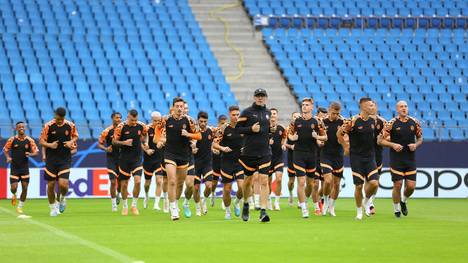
{"x":247,"y":187}
{"x":240,"y":192}
{"x":279,"y":183}
{"x":171,"y":171}
{"x":148,"y":178}
{"x":181,"y":175}
{"x":371,"y":186}
{"x":196,"y":194}
{"x":189,"y":189}
{"x":313,"y":183}
{"x":264,"y":177}
{"x":227,"y":180}
{"x":136,"y":173}
{"x":256,"y":191}
{"x":410,"y":185}
{"x":119,"y":188}
{"x":50,"y":175}
{"x":63,"y":185}
{"x":158,"y":190}
{"x":270,"y":181}
{"x":358,"y":198}
{"x":291,"y":179}
{"x":208,"y":180}
{"x":379,"y":171}
{"x":327,"y":174}
{"x":14,"y":179}
{"x":335,"y":191}
{"x":124,"y":176}
{"x":112,"y":172}
{"x":396,"y":193}
{"x":358,"y":181}
{"x":24,"y":193}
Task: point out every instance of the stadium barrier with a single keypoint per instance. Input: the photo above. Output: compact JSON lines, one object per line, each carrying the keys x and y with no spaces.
{"x":94,"y":183}
{"x":373,"y":22}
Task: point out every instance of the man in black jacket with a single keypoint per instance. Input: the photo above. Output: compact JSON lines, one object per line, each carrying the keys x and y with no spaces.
{"x":254,"y":123}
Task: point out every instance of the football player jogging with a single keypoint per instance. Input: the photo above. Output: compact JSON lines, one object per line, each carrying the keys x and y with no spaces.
{"x":278,"y":138}
{"x":190,"y":178}
{"x":380,"y":124}
{"x":331,"y":158}
{"x":180,"y":131}
{"x":59,"y":137}
{"x":17,"y":151}
{"x":152,"y":160}
{"x":403,"y":135}
{"x":305,"y":132}
{"x":129,"y":135}
{"x":216,"y":162}
{"x":229,"y":142}
{"x":361,"y":132}
{"x":254,"y":123}
{"x":112,"y":157}
{"x":203,"y":166}
{"x":321,"y":114}
{"x":289,"y":146}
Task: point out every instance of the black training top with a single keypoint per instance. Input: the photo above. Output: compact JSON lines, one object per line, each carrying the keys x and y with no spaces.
{"x":255,"y":144}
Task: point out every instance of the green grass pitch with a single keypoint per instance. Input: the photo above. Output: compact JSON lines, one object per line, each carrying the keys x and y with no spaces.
{"x":436,"y":230}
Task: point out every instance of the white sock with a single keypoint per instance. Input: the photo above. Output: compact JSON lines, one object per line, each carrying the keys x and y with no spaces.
{"x":173,"y":205}
{"x":396,"y":207}
{"x":134,"y":201}
{"x":316,"y":206}
{"x":114,"y":201}
{"x":331,"y":202}
{"x":277,"y":198}
{"x":197,"y":205}
{"x":21,"y":204}
{"x":404,"y":199}
{"x":326,"y":200}
{"x":146,"y":195}
{"x":366,"y":202}
{"x":165,"y":195}
{"x":186,"y":201}
{"x":359,"y":210}
{"x":291,"y":193}
{"x":125,"y":203}
{"x":228,"y":209}
{"x":157,"y":199}
{"x":237,"y":201}
{"x":257,"y":199}
{"x":303,"y":205}
{"x":62,"y":198}
{"x":250,"y":200}
{"x":52,"y":206}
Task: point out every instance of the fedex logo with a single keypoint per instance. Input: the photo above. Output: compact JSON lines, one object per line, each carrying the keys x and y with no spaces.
{"x":95,"y":182}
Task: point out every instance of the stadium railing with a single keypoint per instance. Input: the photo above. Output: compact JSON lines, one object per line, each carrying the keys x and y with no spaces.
{"x":409,"y":22}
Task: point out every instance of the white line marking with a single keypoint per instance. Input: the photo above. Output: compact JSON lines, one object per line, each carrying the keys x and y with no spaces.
{"x":99,"y":248}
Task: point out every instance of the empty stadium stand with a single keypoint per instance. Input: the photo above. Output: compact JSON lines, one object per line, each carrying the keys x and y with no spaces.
{"x":95,"y":57}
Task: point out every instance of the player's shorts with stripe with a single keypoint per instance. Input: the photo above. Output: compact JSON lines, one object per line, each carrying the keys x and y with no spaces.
{"x":331,"y":164}
{"x":128,"y":168}
{"x":151,"y":168}
{"x":407,"y":172}
{"x":112,"y":169}
{"x":178,"y":161}
{"x":277,"y":164}
{"x":191,"y":167}
{"x":364,"y":169}
{"x":318,"y":171}
{"x":231,"y":170}
{"x":251,"y":164}
{"x":216,"y":164}
{"x":291,"y":171}
{"x":203,"y":171}
{"x":379,"y":162}
{"x":305,"y":164}
{"x":54,"y":171}
{"x":19,"y":174}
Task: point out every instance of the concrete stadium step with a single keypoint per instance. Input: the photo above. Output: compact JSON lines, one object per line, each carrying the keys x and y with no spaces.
{"x":260,"y":70}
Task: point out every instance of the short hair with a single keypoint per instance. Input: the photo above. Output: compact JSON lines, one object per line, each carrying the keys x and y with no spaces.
{"x":202,"y":114}
{"x":364,"y":99}
{"x":177,"y":99}
{"x":274,"y":109}
{"x":222,"y":117}
{"x":61,"y":112}
{"x":294,"y":112}
{"x":322,"y":110}
{"x":335,"y":105}
{"x":233,"y":108}
{"x":156,"y":114}
{"x":18,"y":123}
{"x":308,"y":99}
{"x":115,"y":113}
{"x":133,"y":113}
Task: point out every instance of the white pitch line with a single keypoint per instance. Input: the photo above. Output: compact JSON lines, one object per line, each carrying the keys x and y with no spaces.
{"x":99,"y":248}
